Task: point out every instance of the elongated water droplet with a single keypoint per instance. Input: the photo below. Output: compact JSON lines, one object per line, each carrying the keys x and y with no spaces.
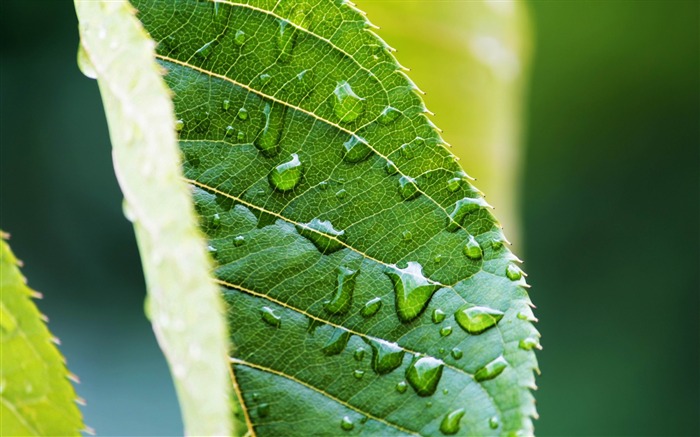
{"x":413,"y":290}
{"x":371,"y":307}
{"x":337,"y":342}
{"x":472,"y":249}
{"x":205,"y":50}
{"x":346,"y":424}
{"x":226,"y":105}
{"x":85,"y":64}
{"x":401,"y":387}
{"x":268,"y":315}
{"x":494,"y":422}
{"x":385,"y":356}
{"x":406,"y":151}
{"x":390,"y":167}
{"x":263,"y":410}
{"x":264,"y":78}
{"x":388,"y":115}
{"x":243,"y":114}
{"x":216,"y":221}
{"x":346,"y":104}
{"x":287,"y":175}
{"x":356,"y":150}
{"x":359,"y":354}
{"x":462,"y":208}
{"x":529,"y":343}
{"x":491,"y":370}
{"x":438,"y":315}
{"x":342,"y":300}
{"x":454,"y":184}
{"x":477,"y":319}
{"x":269,"y":137}
{"x":513,"y":272}
{"x":456,"y":353}
{"x":424,"y":375}
{"x":358,"y":374}
{"x":408,"y":188}
{"x":318,"y":232}
{"x":239,"y":240}
{"x":450,"y":423}
{"x":447,"y":330}
{"x":341,"y":194}
{"x":179,"y":125}
{"x":239,"y":38}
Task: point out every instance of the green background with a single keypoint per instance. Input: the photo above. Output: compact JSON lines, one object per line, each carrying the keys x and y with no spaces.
{"x":611,"y":219}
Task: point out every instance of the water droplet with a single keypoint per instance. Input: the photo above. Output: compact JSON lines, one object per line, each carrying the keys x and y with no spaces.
{"x":529,"y":343}
{"x":388,"y":115}
{"x":179,"y":125}
{"x":359,"y":354}
{"x":462,"y":208}
{"x":263,"y":410}
{"x":342,"y":300}
{"x":318,"y":232}
{"x":268,"y":315}
{"x":323,"y":185}
{"x":238,"y":241}
{"x":413,"y":290}
{"x":428,"y":404}
{"x":408,"y":188}
{"x":241,"y":135}
{"x":513,"y":272}
{"x":390,"y":167}
{"x":407,"y":235}
{"x":212,"y":251}
{"x":438,"y":315}
{"x":356,"y":150}
{"x":358,"y":374}
{"x":287,"y":33}
{"x":347,"y":105}
{"x":450,"y":423}
{"x":337,"y":342}
{"x":243,"y":114}
{"x":496,"y":244}
{"x":340,"y":194}
{"x":477,"y":319}
{"x":494,"y":422}
{"x":456,"y":353}
{"x":447,"y":330}
{"x":229,"y":130}
{"x":264,"y":78}
{"x":401,"y":387}
{"x":204,"y":51}
{"x":346,"y":424}
{"x":85,"y":64}
{"x":441,"y":351}
{"x":239,"y":38}
{"x":454,"y":184}
{"x":216,"y":221}
{"x":385,"y":356}
{"x":406,"y":151}
{"x":445,"y":391}
{"x":491,"y":370}
{"x":523,"y":316}
{"x":269,"y":137}
{"x":437,"y":258}
{"x":287,"y":175}
{"x":472,"y":249}
{"x":424,"y":375}
{"x":226,"y":105}
{"x":371,"y":307}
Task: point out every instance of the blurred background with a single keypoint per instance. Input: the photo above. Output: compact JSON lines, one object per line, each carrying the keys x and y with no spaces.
{"x":580,"y":120}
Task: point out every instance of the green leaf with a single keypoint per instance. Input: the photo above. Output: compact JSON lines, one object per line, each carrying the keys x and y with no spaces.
{"x":184,"y":303}
{"x":36,"y":397}
{"x":325,"y":189}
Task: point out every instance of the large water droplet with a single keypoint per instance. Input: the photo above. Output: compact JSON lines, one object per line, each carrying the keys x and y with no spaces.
{"x":472,"y":249}
{"x":529,"y":343}
{"x":179,"y":125}
{"x":438,"y":315}
{"x":243,"y":114}
{"x":239,"y":38}
{"x":342,"y":300}
{"x":456,"y":353}
{"x":491,"y":370}
{"x":371,"y":307}
{"x":462,"y":208}
{"x":385,"y":356}
{"x":287,"y":175}
{"x":424,"y":375}
{"x":450,"y":423}
{"x":408,"y":188}
{"x":513,"y":272}
{"x":388,"y":115}
{"x":477,"y":319}
{"x":337,"y":342}
{"x":318,"y":232}
{"x":356,"y":150}
{"x":347,"y":105}
{"x":401,"y":387}
{"x":269,"y":137}
{"x":413,"y":290}
{"x":346,"y":424}
{"x":268,"y":315}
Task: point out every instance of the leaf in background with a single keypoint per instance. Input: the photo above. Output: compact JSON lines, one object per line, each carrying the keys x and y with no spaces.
{"x":370,"y":288}
{"x":36,"y":397}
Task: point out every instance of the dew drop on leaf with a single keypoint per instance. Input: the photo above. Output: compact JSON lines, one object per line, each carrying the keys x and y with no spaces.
{"x":359,"y":354}
{"x":454,"y":184}
{"x":513,"y":272}
{"x":346,"y":104}
{"x":438,"y":315}
{"x":356,"y":150}
{"x":371,"y":307}
{"x":239,"y":38}
{"x":243,"y":114}
{"x":408,"y":188}
{"x":239,"y":240}
{"x":462,"y":208}
{"x":358,"y":374}
{"x":477,"y":319}
{"x":450,"y":423}
{"x":472,"y":249}
{"x":226,"y":105}
{"x":179,"y":125}
{"x":386,"y":356}
{"x":491,"y":370}
{"x":319,"y":233}
{"x":413,"y":290}
{"x":287,"y":175}
{"x":401,"y":387}
{"x":346,"y":424}
{"x":388,"y":115}
{"x":494,"y":422}
{"x":341,"y":194}
{"x":263,"y":410}
{"x":268,"y":316}
{"x":342,"y":300}
{"x":447,"y":330}
{"x":529,"y":343}
{"x":424,"y":374}
{"x":336,"y":342}
{"x":456,"y":353}
{"x":269,"y":137}
{"x":390,"y":167}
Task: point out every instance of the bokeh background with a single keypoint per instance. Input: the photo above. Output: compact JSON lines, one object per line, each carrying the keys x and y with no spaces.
{"x":600,"y":180}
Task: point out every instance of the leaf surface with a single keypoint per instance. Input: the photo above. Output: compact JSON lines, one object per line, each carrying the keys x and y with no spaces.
{"x":36,"y":397}
{"x":370,"y":289}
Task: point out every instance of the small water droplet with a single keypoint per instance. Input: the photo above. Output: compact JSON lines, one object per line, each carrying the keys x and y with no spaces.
{"x":341,"y":194}
{"x":241,"y":135}
{"x":371,"y":307}
{"x":347,"y":105}
{"x":472,"y":249}
{"x":226,"y":105}
{"x":342,"y":300}
{"x":428,"y":404}
{"x":441,"y":351}
{"x":388,"y":115}
{"x":477,"y":319}
{"x":401,"y":387}
{"x":491,"y":370}
{"x":447,"y":330}
{"x":529,"y":343}
{"x":407,"y":235}
{"x":359,"y":354}
{"x":358,"y":374}
{"x":216,"y":221}
{"x":406,"y":151}
{"x":243,"y":114}
{"x":238,"y":241}
{"x":318,"y":232}
{"x":413,"y":290}
{"x":336,"y":342}
{"x":179,"y":125}
{"x":437,"y":259}
{"x":385,"y":356}
{"x":346,"y":424}
{"x":494,"y":422}
{"x":450,"y":423}
{"x":269,"y":137}
{"x":522,"y":316}
{"x":424,"y":374}
{"x":287,"y":175}
{"x":229,"y":130}
{"x":390,"y":167}
{"x":496,"y":244}
{"x":264,"y":78}
{"x":456,"y":353}
{"x":454,"y":184}
{"x":268,"y":315}
{"x":263,"y":410}
{"x":513,"y":272}
{"x":323,"y":185}
{"x":438,"y":315}
{"x":462,"y":208}
{"x":408,"y":188}
{"x":356,"y":150}
{"x":85,"y":64}
{"x":239,"y":38}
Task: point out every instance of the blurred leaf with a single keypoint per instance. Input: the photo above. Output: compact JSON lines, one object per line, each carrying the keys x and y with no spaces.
{"x":185,"y":305}
{"x":369,"y":287}
{"x":36,"y":396}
